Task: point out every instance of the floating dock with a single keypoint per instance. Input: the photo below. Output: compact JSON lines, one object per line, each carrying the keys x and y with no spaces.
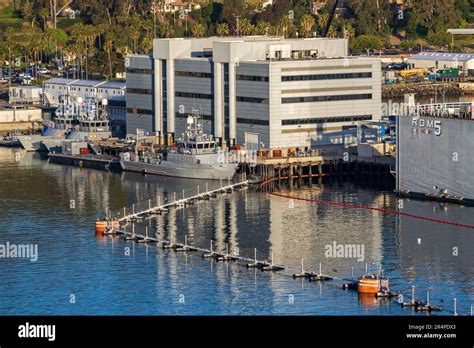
{"x":102,"y":162}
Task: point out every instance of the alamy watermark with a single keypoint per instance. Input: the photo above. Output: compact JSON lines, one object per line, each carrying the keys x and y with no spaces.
{"x":19,"y":251}
{"x":346,"y":251}
{"x":247,"y":156}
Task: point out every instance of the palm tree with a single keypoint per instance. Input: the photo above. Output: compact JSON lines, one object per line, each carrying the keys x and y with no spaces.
{"x":27,"y":13}
{"x":134,"y":29}
{"x":10,"y":45}
{"x":306,"y":24}
{"x":222,"y":29}
{"x":285,"y":26}
{"x":166,"y":30}
{"x":44,"y":15}
{"x":323,"y":19}
{"x":332,"y":32}
{"x":108,"y":46}
{"x":349,"y":31}
{"x":79,"y":38}
{"x":245,"y":27}
{"x":262,"y":28}
{"x":198,"y":30}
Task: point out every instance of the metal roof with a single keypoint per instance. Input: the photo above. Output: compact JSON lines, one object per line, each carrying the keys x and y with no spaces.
{"x":87,"y":83}
{"x":113,"y":84}
{"x":60,"y":81}
{"x":460,"y":57}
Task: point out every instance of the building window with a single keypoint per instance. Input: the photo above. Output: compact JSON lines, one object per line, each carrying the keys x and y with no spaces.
{"x":139,"y":111}
{"x":252,"y":100}
{"x":193,"y":74}
{"x":193,"y":95}
{"x":140,"y":71}
{"x":252,"y":121}
{"x":252,"y":78}
{"x":139,"y":91}
{"x":325,"y":98}
{"x":341,"y":76}
{"x":299,"y":121}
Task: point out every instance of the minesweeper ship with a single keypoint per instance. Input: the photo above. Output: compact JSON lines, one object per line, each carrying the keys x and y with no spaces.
{"x":196,"y":156}
{"x":80,"y":120}
{"x":434,"y":152}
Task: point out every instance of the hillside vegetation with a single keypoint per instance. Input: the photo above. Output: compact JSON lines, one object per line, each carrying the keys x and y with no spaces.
{"x":100,"y":33}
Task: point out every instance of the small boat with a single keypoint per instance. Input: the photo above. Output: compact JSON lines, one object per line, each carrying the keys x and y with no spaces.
{"x":372,"y":284}
{"x":10,"y":140}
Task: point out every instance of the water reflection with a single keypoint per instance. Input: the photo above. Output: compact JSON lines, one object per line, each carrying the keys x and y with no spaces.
{"x":35,"y":200}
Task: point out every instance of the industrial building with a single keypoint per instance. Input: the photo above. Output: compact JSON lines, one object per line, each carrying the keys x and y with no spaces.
{"x":56,"y":88}
{"x":442,"y":60}
{"x":26,"y":95}
{"x":258,"y":91}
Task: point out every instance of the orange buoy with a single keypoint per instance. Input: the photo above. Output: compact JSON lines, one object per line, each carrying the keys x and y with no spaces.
{"x":372,"y":284}
{"x":100,"y":226}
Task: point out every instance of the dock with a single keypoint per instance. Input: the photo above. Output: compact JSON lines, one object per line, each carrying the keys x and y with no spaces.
{"x":322,"y":165}
{"x":103,"y":162}
{"x":175,"y":202}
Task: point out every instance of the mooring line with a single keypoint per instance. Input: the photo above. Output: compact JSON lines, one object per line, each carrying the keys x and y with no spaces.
{"x":361,"y":206}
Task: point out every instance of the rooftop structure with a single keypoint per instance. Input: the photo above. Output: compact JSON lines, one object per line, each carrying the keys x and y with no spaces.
{"x":57,"y":88}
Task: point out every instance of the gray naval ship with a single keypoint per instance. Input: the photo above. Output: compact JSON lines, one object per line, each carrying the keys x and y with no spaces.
{"x":196,"y":156}
{"x":79,"y":120}
{"x":434,"y":152}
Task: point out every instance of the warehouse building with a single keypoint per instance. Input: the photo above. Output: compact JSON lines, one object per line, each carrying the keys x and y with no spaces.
{"x":442,"y":60}
{"x":255,"y":91}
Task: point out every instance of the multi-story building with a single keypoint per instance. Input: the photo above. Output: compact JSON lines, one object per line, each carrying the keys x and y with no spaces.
{"x":254,"y":91}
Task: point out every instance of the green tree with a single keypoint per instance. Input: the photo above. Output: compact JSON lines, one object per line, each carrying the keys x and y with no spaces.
{"x":27,"y":12}
{"x":166,"y":30}
{"x":349,"y":31}
{"x":262,"y":28}
{"x":306,"y":25}
{"x":198,"y":30}
{"x":373,"y":17}
{"x":245,"y":27}
{"x":108,"y":46}
{"x":285,"y":26}
{"x":363,"y":43}
{"x":222,"y":29}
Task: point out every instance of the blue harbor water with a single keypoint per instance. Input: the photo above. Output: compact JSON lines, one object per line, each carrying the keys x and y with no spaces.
{"x":78,"y":273}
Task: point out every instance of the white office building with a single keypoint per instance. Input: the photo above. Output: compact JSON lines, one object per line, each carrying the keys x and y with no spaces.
{"x":261,"y":92}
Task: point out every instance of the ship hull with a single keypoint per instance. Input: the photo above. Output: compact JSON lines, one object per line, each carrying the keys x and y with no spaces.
{"x":182,"y":170}
{"x":33,"y":142}
{"x":434,"y":161}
